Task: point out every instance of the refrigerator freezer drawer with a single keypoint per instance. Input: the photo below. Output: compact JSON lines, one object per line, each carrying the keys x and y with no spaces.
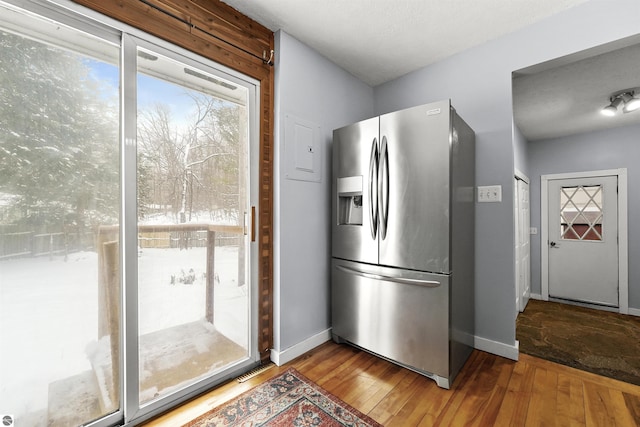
{"x":400,"y":315}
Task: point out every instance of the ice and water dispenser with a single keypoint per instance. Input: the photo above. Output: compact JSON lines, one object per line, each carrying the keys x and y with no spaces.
{"x":350,"y":200}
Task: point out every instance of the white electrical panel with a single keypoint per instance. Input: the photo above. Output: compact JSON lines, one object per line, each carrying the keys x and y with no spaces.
{"x":302,"y":149}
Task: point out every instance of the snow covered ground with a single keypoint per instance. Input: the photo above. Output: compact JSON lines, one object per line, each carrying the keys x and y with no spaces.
{"x":49,"y":313}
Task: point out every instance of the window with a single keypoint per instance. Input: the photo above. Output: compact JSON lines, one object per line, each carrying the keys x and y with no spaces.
{"x":581,"y":213}
{"x":59,"y":183}
{"x":193,"y":299}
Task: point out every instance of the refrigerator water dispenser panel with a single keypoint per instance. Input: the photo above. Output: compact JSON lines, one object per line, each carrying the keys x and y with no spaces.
{"x":350,"y":200}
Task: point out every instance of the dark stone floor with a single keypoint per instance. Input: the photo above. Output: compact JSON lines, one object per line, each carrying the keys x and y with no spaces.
{"x":596,"y":341}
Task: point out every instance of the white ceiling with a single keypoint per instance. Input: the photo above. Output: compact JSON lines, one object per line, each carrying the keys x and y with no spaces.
{"x":565,"y":96}
{"x":380,"y":40}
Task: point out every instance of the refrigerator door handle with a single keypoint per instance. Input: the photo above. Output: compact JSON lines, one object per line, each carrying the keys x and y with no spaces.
{"x":402,"y":280}
{"x":383,"y":188}
{"x":373,"y":182}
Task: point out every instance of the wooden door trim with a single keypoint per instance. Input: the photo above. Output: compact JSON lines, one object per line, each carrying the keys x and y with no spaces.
{"x":623,"y":246}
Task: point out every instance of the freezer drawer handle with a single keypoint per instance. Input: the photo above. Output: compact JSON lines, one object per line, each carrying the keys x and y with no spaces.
{"x":403,"y":280}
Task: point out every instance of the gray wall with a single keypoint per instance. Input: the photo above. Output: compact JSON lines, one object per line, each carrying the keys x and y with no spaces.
{"x":311,"y":88}
{"x":479,"y":83}
{"x":610,"y":149}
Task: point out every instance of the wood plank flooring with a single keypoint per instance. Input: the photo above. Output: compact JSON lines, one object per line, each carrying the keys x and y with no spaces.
{"x":489,"y":391}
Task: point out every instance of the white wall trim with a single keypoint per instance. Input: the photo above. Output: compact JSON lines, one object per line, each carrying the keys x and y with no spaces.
{"x":544,"y":249}
{"x":282,"y":357}
{"x":483,"y":344}
{"x":623,"y":245}
{"x":535,"y":296}
{"x":500,"y":349}
{"x":520,"y":293}
{"x":634,"y":311}
{"x":521,"y":176}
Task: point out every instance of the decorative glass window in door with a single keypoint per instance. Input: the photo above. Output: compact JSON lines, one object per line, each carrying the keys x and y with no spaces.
{"x":581,"y":213}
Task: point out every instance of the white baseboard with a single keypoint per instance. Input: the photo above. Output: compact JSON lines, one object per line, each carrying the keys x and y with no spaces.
{"x":284,"y":356}
{"x":500,"y":349}
{"x":493,"y":347}
{"x":631,"y":311}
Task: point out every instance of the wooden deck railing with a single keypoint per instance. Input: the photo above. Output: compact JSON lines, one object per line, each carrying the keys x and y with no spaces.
{"x":109,"y":307}
{"x":109,"y":282}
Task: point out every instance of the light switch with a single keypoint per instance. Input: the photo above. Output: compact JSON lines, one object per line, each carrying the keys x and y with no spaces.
{"x":489,"y":194}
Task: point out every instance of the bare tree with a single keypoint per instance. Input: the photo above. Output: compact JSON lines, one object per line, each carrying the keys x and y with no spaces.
{"x":195,"y":167}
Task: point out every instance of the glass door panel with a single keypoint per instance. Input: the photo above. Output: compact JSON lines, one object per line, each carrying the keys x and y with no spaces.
{"x":193,"y":296}
{"x":100,"y":206}
{"x":59,"y":223}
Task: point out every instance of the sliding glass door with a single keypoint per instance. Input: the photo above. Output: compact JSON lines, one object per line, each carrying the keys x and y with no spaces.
{"x":193,"y":299}
{"x":125,"y":193}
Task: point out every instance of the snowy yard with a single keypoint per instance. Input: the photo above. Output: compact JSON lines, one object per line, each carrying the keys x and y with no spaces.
{"x":49,"y":313}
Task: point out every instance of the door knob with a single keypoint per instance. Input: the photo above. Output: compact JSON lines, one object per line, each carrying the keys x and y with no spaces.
{"x":554,"y":245}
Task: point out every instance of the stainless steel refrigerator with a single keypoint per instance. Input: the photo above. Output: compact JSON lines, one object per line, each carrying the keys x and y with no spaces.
{"x":402,"y":267}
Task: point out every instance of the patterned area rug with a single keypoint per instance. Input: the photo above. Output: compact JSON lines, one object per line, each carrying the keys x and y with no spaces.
{"x":287,"y":400}
{"x":596,"y":341}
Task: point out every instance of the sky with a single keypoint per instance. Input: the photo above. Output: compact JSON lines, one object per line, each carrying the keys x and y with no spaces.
{"x":150,"y":90}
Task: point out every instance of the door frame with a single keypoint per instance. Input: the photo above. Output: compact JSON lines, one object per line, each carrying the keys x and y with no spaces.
{"x":623,"y":249}
{"x":520,"y":176}
{"x":134,"y":410}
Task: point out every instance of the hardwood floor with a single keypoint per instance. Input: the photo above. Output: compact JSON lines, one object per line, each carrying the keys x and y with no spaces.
{"x":489,"y":391}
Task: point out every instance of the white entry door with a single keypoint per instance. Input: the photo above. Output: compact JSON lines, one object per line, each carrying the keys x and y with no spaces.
{"x":523,"y":251}
{"x":583,"y":239}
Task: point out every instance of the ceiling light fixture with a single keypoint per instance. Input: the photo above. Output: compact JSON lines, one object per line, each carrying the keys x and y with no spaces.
{"x":627,"y":96}
{"x":631,"y":105}
{"x":611,"y":109}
